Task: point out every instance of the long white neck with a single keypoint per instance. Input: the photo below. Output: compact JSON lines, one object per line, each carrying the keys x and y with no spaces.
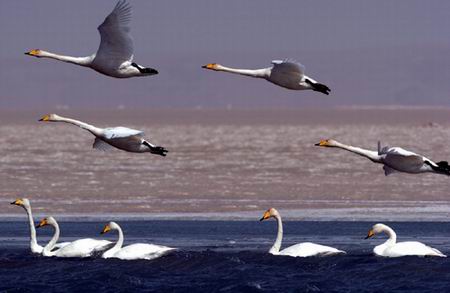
{"x":277,"y":245}
{"x":35,"y":247}
{"x":259,"y":73}
{"x":116,"y":246}
{"x":392,"y":236}
{"x":82,"y":61}
{"x":47,"y":249}
{"x":371,"y":155}
{"x":92,"y":129}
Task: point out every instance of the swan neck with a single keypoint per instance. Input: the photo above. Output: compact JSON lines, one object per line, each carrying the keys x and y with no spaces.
{"x":52,"y":242}
{"x":277,"y":245}
{"x":371,"y":155}
{"x":258,"y":73}
{"x":92,"y":129}
{"x":392,"y":236}
{"x":33,"y":240}
{"x":82,"y":61}
{"x":117,"y":246}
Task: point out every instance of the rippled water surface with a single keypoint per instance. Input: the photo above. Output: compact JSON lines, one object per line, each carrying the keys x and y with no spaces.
{"x":219,"y":256}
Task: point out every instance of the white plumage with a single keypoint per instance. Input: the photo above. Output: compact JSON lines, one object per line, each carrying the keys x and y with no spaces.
{"x":288,"y":74}
{"x":114,"y":56}
{"x":305,"y":249}
{"x":133,"y":251}
{"x":123,"y":138}
{"x":392,"y":248}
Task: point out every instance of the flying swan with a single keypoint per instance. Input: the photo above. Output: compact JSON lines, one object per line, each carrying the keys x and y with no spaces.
{"x":114,"y":57}
{"x":394,"y":159}
{"x":298,"y":250}
{"x":133,"y":251}
{"x":392,"y":248}
{"x":288,"y":74}
{"x":123,"y":138}
{"x":79,"y":248}
{"x":35,"y":247}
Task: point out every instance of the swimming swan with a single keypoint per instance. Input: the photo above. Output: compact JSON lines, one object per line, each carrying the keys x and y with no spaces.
{"x":123,"y":138}
{"x":35,"y":247}
{"x":395,"y":159}
{"x":288,"y":74}
{"x":114,"y":57}
{"x":79,"y":248}
{"x":133,"y":251}
{"x":298,"y":250}
{"x":391,"y":248}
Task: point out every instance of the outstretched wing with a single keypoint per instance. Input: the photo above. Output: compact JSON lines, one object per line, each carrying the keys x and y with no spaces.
{"x":289,"y":66}
{"x":101,"y":145}
{"x":116,"y":44}
{"x":121,"y":132}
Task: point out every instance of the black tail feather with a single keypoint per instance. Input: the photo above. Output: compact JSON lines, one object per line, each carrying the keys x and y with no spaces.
{"x":158,"y":150}
{"x":318,"y":87}
{"x":442,"y":167}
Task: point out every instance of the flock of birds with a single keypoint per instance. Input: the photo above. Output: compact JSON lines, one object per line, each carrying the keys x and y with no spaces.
{"x":88,"y":247}
{"x":114,"y":58}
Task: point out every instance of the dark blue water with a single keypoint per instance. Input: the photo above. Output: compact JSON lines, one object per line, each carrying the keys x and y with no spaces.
{"x":217,"y":256}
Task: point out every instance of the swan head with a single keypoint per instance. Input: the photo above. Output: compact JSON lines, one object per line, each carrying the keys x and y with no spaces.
{"x":35,"y":53}
{"x":377,"y":228}
{"x":50,"y":118}
{"x":46,"y":221}
{"x":327,"y":143}
{"x":212,"y":66}
{"x":272,"y":212}
{"x":22,"y":202}
{"x":108,"y":227}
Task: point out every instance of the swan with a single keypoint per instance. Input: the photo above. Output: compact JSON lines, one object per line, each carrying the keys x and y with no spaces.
{"x":394,"y":159}
{"x":392,"y":248}
{"x":288,"y":74}
{"x":123,"y":138}
{"x":133,"y":251}
{"x":298,"y":250}
{"x":79,"y":248}
{"x":114,"y":56}
{"x":35,"y":247}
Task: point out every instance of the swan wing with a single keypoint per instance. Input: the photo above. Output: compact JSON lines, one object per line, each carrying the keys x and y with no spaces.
{"x":121,"y":132}
{"x":116,"y":44}
{"x":288,"y":66}
{"x":101,"y":145}
{"x":411,"y":248}
{"x":309,"y":249}
{"x":402,"y":162}
{"x":142,"y":251}
{"x":82,"y":248}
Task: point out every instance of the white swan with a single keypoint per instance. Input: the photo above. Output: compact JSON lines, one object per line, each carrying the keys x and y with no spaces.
{"x":114,"y":57}
{"x":133,"y":251}
{"x":123,"y":138}
{"x":391,"y":248}
{"x":298,"y":250}
{"x":394,"y":159}
{"x":288,"y":74}
{"x":35,"y":247}
{"x":79,"y":248}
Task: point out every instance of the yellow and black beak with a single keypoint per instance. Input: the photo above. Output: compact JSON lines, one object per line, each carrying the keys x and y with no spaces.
{"x":17,"y":202}
{"x":265,"y":216}
{"x":45,"y":118}
{"x":106,"y":229}
{"x":323,"y":143}
{"x":370,"y":234}
{"x":42,"y":223}
{"x":34,"y":53}
{"x":210,"y":66}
